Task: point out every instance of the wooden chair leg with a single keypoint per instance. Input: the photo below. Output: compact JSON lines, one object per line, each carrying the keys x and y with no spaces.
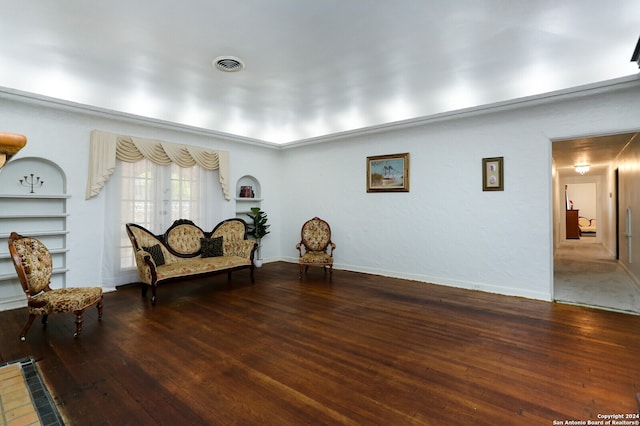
{"x":78,"y":322}
{"x":44,"y":320}
{"x":99,"y":306}
{"x":153,"y":294}
{"x":300,"y":275}
{"x":25,"y":329}
{"x":330,"y":272}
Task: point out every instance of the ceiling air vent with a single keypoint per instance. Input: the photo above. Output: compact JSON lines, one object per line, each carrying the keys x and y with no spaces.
{"x":228,"y":63}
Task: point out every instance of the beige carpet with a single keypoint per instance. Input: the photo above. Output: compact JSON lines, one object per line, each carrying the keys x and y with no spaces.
{"x":586,"y":274}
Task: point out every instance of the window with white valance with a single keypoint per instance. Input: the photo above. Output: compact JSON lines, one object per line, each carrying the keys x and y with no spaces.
{"x":106,"y":148}
{"x":153,"y":184}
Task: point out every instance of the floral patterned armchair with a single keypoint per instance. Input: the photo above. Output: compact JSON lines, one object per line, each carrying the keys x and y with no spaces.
{"x":316,"y":247}
{"x":34,"y":265}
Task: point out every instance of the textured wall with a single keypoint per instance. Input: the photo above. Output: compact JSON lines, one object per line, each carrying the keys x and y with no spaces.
{"x":446,"y":230}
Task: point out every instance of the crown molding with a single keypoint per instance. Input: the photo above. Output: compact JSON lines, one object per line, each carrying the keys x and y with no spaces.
{"x":512,"y":104}
{"x":555,"y":96}
{"x":64,"y":105}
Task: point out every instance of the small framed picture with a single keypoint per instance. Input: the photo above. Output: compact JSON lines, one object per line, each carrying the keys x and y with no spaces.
{"x":388,"y":173}
{"x":493,"y":174}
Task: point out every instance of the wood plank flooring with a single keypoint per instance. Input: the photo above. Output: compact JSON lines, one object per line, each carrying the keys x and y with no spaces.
{"x":359,"y":350}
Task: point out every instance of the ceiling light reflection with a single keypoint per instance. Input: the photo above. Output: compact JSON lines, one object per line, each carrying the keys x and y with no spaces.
{"x":59,"y":84}
{"x":459,"y":97}
{"x":398,"y":110}
{"x":535,"y":80}
{"x":352,"y":119}
{"x":140,"y":103}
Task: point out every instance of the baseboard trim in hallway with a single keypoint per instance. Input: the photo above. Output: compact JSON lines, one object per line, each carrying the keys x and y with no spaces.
{"x":605,"y":308}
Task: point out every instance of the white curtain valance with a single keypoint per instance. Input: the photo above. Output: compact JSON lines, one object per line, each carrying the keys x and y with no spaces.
{"x":106,"y":148}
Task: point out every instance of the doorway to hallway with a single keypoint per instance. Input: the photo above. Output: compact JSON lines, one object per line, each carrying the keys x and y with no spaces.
{"x":587,"y":270}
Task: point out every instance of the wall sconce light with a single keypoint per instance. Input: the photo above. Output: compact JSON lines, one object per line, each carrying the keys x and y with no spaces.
{"x":10,"y":144}
{"x":582,"y":168}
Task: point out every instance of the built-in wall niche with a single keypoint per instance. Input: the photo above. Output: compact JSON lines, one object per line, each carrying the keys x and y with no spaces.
{"x":248,"y":195}
{"x":41,"y":214}
{"x":50,"y":173}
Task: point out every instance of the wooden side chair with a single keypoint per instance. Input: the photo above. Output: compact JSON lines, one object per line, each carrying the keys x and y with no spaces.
{"x":316,"y":247}
{"x":34,"y":265}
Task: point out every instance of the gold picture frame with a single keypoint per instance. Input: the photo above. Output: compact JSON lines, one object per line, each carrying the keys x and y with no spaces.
{"x":388,"y":173}
{"x":493,"y":174}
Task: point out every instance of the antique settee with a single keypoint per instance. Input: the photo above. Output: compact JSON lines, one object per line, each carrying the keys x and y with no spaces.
{"x":587,"y":225}
{"x":186,"y":250}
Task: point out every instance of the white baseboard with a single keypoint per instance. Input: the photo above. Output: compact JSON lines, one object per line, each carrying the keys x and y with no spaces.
{"x":468,"y":285}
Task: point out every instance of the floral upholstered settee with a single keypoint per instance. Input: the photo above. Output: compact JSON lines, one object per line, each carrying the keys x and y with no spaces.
{"x":186,"y":250}
{"x":587,"y":225}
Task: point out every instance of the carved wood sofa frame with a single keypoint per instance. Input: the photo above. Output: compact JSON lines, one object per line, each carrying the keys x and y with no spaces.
{"x":184,"y":251}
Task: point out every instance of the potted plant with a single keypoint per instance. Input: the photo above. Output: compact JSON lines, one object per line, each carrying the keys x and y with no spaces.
{"x":258,"y":230}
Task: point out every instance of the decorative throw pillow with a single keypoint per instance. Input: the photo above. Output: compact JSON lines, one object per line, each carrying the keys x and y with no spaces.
{"x":211,"y":247}
{"x":156,"y":253}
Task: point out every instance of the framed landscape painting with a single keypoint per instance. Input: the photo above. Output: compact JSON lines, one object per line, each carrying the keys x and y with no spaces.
{"x":388,"y":173}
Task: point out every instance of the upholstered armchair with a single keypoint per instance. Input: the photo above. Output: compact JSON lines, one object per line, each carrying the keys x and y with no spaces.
{"x":34,"y":266}
{"x":316,"y":247}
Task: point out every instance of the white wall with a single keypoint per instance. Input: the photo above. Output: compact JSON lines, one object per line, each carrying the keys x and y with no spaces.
{"x":583,"y":196}
{"x":446,"y":230}
{"x":629,"y":176}
{"x":62,"y":136}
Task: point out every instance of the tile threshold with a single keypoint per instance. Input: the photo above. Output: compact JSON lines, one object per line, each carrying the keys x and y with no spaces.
{"x":40,"y":397}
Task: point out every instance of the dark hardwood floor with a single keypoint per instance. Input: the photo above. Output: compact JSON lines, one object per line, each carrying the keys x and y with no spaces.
{"x":361,"y":350}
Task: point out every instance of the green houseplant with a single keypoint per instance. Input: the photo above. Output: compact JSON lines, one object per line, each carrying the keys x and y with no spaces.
{"x":258,"y":230}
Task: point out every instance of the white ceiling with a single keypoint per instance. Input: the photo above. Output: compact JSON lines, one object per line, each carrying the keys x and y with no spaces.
{"x":315,"y":67}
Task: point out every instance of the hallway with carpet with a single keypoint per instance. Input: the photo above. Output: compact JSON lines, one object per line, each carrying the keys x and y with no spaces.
{"x":585,"y":273}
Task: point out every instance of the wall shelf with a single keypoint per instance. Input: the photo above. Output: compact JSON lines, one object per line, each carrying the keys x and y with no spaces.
{"x":244,"y":204}
{"x":33,"y":216}
{"x":38,"y":234}
{"x":42,"y":215}
{"x":10,"y":277}
{"x":35,"y":196}
{"x":52,"y":251}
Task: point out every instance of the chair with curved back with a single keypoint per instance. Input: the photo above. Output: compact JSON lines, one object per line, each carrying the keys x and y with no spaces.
{"x":316,"y":247}
{"x":34,"y":266}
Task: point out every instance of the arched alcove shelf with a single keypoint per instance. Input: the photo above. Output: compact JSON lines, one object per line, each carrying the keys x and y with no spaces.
{"x":248,"y":194}
{"x":39,"y":211}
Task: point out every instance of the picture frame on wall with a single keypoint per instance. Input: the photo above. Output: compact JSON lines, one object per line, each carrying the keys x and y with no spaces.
{"x":493,"y":174}
{"x":388,"y":173}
